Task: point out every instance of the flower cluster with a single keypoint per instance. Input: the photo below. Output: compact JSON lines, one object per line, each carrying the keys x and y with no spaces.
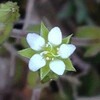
{"x":51,"y":51}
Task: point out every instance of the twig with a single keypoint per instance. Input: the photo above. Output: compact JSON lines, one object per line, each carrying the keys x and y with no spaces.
{"x":12,"y":50}
{"x":12,"y":64}
{"x":36,"y":94}
{"x":29,"y":9}
{"x":16,"y":33}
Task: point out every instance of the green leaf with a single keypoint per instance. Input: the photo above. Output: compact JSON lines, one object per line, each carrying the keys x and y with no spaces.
{"x":34,"y":28}
{"x":67,"y":39}
{"x":32,"y":78}
{"x":9,"y":12}
{"x":27,"y":52}
{"x":69,"y":65}
{"x":50,"y":76}
{"x":44,"y":32}
{"x":44,"y":71}
{"x":5,"y":32}
{"x":88,"y":32}
{"x":24,"y":42}
{"x":92,"y":51}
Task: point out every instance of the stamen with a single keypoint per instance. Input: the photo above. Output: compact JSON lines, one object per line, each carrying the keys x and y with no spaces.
{"x":52,"y":58}
{"x":46,"y":45}
{"x":55,"y":55}
{"x":43,"y":53}
{"x":47,"y":58}
{"x":50,"y":79}
{"x":57,"y":49}
{"x":58,"y":52}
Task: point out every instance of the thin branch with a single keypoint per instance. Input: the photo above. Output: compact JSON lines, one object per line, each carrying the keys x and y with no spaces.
{"x":16,"y":33}
{"x":12,"y":64}
{"x":12,"y":50}
{"x":29,"y":8}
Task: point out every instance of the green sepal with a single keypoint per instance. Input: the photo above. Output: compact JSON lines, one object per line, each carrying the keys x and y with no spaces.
{"x":34,"y":28}
{"x":44,"y":71}
{"x":69,"y":65}
{"x":5,"y":31}
{"x":28,"y":53}
{"x":50,"y":76}
{"x":67,"y":39}
{"x":44,"y":32}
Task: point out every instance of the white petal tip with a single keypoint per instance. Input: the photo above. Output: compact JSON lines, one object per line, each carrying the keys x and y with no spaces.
{"x":35,"y":41}
{"x":57,"y":66}
{"x":55,"y":36}
{"x":36,"y":62}
{"x":66,"y":50}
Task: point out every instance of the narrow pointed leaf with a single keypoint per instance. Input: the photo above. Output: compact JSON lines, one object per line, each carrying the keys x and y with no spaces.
{"x":50,"y":76}
{"x":44,"y":32}
{"x":69,"y":65}
{"x":24,"y":42}
{"x":44,"y":71}
{"x":34,"y":28}
{"x":28,"y":53}
{"x":67,"y":39}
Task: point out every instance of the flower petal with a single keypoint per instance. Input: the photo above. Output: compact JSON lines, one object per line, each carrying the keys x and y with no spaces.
{"x":57,"y":66}
{"x":36,"y":62}
{"x":35,"y":41}
{"x":55,"y":36}
{"x":66,"y":50}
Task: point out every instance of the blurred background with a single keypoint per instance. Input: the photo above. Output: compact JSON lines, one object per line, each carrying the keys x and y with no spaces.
{"x":78,"y":17}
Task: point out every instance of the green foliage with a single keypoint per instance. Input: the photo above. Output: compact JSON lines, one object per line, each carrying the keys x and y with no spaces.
{"x":24,"y":42}
{"x":27,"y":52}
{"x":92,"y":50}
{"x":44,"y":71}
{"x":44,"y":32}
{"x":91,"y":32}
{"x":9,"y":12}
{"x":34,"y":28}
{"x":49,"y":76}
{"x":67,"y":39}
{"x":88,"y":32}
{"x":5,"y":32}
{"x":32,"y":77}
{"x":69,"y":65}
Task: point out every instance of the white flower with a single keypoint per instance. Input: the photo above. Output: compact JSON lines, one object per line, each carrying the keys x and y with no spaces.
{"x":52,"y":51}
